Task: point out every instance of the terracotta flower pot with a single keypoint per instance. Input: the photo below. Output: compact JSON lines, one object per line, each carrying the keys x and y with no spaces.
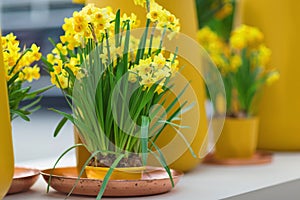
{"x":130,"y":173}
{"x":238,"y":138}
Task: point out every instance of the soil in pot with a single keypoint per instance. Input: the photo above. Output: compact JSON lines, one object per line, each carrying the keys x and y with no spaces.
{"x":132,"y":160}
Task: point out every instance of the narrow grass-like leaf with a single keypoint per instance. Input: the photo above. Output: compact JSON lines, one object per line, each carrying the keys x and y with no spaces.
{"x":117,"y":27}
{"x":174,"y":115}
{"x":12,"y":79}
{"x":142,"y":43}
{"x":57,"y":161}
{"x":22,"y":114}
{"x":70,"y":73}
{"x":31,"y":110}
{"x":60,"y":125}
{"x":48,"y":64}
{"x":30,"y":105}
{"x":144,"y":138}
{"x":163,"y":162}
{"x":188,"y":108}
{"x":172,"y":124}
{"x":81,"y":172}
{"x":14,"y":67}
{"x":86,"y":164}
{"x":186,"y":142}
{"x":66,"y":115}
{"x":107,"y":176}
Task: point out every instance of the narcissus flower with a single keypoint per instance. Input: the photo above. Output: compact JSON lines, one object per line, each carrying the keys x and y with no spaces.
{"x":273,"y":77}
{"x":20,"y":61}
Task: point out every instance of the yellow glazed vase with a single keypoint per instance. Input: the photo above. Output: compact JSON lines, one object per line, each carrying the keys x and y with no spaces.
{"x":6,"y":146}
{"x":280,"y":107}
{"x":238,"y":138}
{"x":186,"y":12}
{"x":131,"y":173}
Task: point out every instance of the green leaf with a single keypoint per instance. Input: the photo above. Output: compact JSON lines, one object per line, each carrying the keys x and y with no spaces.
{"x":47,"y":64}
{"x":142,"y":43}
{"x":66,"y":115}
{"x":151,"y":40}
{"x":18,"y":94}
{"x":60,"y":125}
{"x":22,"y":114}
{"x":52,"y":41}
{"x":13,"y":68}
{"x":174,"y":115}
{"x":162,"y":39}
{"x":107,"y":176}
{"x":70,"y":72}
{"x":144,"y":138}
{"x":117,"y":27}
{"x":57,"y":161}
{"x":172,"y":124}
{"x":169,"y":108}
{"x":86,"y":164}
{"x":37,"y":92}
{"x":81,"y":172}
{"x":185,"y":141}
{"x":28,"y":106}
{"x":163,"y":162}
{"x":188,"y":108}
{"x":12,"y":79}
{"x":62,"y":56}
{"x":126,"y":50}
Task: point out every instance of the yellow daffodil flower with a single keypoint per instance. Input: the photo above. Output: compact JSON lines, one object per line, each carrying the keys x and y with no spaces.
{"x":273,"y":77}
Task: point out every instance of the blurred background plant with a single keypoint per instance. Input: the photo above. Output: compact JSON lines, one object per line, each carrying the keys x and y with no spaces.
{"x":218,"y":15}
{"x":20,"y":68}
{"x":244,"y":66}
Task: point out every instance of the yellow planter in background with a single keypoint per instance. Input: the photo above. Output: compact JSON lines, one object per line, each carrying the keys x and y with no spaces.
{"x":280,"y":105}
{"x":82,"y":154}
{"x":79,"y":1}
{"x":238,"y":138}
{"x":6,"y":146}
{"x":186,"y":12}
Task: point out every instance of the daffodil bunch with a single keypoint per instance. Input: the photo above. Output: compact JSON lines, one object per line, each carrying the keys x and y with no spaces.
{"x":115,"y":78}
{"x":244,"y":65}
{"x":20,"y":67}
{"x":217,"y":15}
{"x":95,"y":25}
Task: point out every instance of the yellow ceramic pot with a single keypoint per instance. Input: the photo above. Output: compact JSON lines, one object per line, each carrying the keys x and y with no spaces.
{"x":186,"y":12}
{"x":130,"y":173}
{"x":6,"y":147}
{"x":280,"y":107}
{"x":238,"y":138}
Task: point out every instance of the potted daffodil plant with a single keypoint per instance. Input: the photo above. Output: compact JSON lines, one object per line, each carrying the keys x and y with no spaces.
{"x":113,"y":76}
{"x":18,"y":68}
{"x":244,"y":65}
